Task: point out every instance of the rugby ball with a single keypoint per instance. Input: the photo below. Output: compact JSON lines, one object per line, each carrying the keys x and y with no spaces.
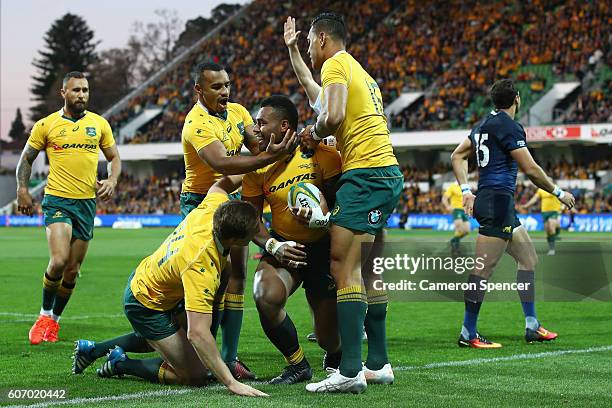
{"x":303,"y":195}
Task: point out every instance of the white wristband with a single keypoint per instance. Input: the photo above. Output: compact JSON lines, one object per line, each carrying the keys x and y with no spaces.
{"x":558,"y":192}
{"x":465,"y":189}
{"x":313,"y":133}
{"x":317,"y":219}
{"x":273,"y":245}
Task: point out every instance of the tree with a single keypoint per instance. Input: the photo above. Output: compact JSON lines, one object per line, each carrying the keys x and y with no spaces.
{"x":112,"y":77}
{"x":152,"y":44}
{"x":18,"y":131}
{"x":69,"y":46}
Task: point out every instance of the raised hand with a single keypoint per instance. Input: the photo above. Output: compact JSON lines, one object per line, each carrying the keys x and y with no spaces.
{"x":290,"y":35}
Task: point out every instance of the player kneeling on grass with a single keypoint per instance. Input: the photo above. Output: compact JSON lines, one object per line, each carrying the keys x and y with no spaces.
{"x":186,"y":267}
{"x":294,"y":254}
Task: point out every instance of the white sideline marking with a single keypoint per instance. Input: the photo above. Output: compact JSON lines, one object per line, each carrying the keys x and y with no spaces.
{"x":26,"y":317}
{"x":479,"y":361}
{"x":29,"y":317}
{"x":168,"y":392}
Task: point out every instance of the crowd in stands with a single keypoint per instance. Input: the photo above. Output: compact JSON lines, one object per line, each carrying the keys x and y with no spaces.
{"x":594,"y":106}
{"x":516,"y":35}
{"x":151,"y":195}
{"x":452,"y":50}
{"x":415,"y":200}
{"x":254,"y":52}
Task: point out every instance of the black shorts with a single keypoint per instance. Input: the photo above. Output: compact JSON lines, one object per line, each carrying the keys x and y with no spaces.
{"x":494,"y":211}
{"x":316,"y":278}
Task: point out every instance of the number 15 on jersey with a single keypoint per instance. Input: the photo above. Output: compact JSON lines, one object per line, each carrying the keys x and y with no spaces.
{"x":481,"y":147}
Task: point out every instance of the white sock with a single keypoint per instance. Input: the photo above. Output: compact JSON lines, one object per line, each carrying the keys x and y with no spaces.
{"x":56,"y":317}
{"x":44,"y":312}
{"x":531,"y":323}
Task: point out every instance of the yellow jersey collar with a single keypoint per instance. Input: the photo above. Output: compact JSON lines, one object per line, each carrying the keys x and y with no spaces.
{"x":217,"y":115}
{"x":61,"y":112}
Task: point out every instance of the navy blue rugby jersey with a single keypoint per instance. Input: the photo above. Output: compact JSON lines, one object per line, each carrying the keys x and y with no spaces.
{"x":493,"y":139}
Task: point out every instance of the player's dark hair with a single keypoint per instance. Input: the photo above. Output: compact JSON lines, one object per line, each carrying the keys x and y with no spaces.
{"x":284,"y":107}
{"x":330,"y":23}
{"x":72,"y":74}
{"x":206,"y":66}
{"x":503,"y":93}
{"x":235,"y":220}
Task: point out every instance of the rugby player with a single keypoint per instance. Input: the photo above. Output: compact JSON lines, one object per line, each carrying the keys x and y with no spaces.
{"x":367,"y":193}
{"x":182,"y":277}
{"x":72,"y":138}
{"x":501,"y":148}
{"x":212,"y":137}
{"x":550,"y":207}
{"x":452,"y":199}
{"x":313,"y":93}
{"x":294,"y":254}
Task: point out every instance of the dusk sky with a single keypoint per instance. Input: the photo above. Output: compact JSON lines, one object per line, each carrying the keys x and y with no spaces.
{"x":24,"y":23}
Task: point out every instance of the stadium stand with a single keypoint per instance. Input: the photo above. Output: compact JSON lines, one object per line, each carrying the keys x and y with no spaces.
{"x":538,"y":43}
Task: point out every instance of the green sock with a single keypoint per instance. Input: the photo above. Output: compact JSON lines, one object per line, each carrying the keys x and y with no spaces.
{"x":285,"y":338}
{"x":352,"y":307}
{"x":62,"y":297}
{"x":375,"y":320}
{"x":149,"y":369}
{"x":231,"y":325}
{"x":50,"y":287}
{"x":132,"y":342}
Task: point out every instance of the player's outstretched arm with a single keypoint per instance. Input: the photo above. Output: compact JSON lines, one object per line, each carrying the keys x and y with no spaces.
{"x":459,"y":160}
{"x":226,"y":185}
{"x":205,"y":346}
{"x":300,"y":68}
{"x":538,"y":177}
{"x":106,"y":188}
{"x":215,"y":155}
{"x":24,"y":171}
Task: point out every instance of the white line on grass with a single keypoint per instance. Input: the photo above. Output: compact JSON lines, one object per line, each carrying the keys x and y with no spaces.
{"x":479,"y":361}
{"x":26,"y":317}
{"x":168,"y":392}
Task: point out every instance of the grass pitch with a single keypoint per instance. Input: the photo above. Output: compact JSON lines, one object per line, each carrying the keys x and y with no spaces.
{"x":430,"y":369}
